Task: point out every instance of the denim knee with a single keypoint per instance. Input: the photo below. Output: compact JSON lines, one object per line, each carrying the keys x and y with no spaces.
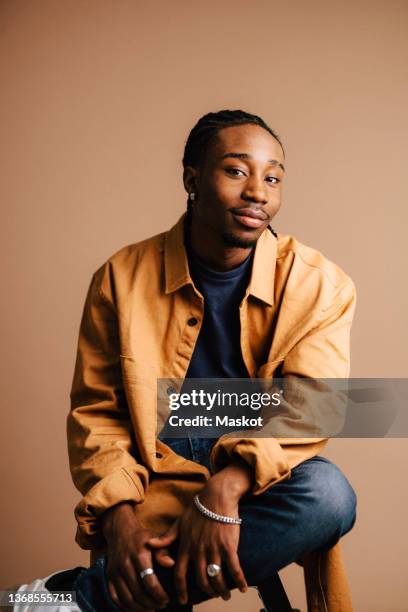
{"x":337,"y":498}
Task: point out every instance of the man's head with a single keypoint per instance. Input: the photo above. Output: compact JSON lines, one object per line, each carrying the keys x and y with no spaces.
{"x":234,"y":164}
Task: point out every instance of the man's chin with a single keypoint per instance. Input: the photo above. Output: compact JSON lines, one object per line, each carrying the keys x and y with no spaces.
{"x":235,"y":240}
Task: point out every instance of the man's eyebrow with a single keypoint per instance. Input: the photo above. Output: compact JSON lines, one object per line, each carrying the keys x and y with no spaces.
{"x":274,"y":162}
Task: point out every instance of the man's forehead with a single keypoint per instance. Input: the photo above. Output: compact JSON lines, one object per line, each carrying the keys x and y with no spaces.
{"x":251,"y":140}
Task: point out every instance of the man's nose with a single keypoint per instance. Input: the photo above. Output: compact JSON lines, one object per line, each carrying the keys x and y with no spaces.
{"x":255,"y":191}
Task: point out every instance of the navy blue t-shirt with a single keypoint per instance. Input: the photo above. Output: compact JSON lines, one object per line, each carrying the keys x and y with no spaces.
{"x":217,"y":353}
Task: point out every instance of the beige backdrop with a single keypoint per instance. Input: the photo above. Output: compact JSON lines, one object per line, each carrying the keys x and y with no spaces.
{"x":97,"y":98}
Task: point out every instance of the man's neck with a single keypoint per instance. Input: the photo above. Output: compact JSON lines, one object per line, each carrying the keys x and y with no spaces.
{"x":213,"y":252}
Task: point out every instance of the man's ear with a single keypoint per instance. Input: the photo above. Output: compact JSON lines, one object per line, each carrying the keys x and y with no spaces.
{"x":190,"y":179}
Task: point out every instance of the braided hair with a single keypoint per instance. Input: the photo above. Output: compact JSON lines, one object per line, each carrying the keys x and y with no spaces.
{"x":204,"y":132}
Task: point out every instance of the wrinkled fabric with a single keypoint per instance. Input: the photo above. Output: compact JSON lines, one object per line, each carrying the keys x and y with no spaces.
{"x":309,"y":511}
{"x":140,"y":322}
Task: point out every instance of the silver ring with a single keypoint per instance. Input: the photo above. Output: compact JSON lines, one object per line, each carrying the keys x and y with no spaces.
{"x":146,"y":572}
{"x":213,"y":570}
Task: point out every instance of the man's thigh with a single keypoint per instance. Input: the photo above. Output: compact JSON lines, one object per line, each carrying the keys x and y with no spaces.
{"x":310,"y":510}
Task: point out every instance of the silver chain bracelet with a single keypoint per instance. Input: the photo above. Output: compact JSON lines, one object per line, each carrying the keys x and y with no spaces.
{"x":214,"y":516}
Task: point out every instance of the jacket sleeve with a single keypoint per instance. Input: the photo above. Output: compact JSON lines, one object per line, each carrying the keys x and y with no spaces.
{"x":322,"y":352}
{"x":101,"y":445}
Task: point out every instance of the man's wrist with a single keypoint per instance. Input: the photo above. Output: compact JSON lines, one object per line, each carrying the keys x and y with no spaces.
{"x":235,"y":480}
{"x":112,"y":518}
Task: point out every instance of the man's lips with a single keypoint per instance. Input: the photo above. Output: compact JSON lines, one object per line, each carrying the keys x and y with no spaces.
{"x":250,"y":217}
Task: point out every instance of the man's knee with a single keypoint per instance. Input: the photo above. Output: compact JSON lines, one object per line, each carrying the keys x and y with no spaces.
{"x":335,"y":496}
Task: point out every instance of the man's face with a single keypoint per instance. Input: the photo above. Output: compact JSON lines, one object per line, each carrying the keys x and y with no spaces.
{"x":239,"y":185}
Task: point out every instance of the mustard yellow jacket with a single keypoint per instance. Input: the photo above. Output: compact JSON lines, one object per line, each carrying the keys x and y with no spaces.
{"x":138,"y":326}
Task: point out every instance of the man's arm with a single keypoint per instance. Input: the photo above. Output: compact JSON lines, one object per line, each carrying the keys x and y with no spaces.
{"x":99,"y":430}
{"x":254,"y":464}
{"x":102,"y":454}
{"x":201,"y":538}
{"x":323,"y":352}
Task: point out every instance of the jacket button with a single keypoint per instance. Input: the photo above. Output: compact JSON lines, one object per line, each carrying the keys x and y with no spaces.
{"x":171,"y":390}
{"x":193,"y":321}
{"x":159,"y":455}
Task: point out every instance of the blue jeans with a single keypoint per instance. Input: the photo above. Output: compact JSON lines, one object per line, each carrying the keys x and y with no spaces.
{"x":312,"y":510}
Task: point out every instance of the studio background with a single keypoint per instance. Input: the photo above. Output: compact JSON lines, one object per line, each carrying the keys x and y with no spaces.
{"x":97,"y":99}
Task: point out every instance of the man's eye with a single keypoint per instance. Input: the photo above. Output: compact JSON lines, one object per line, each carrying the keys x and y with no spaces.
{"x":273,"y":180}
{"x":233,"y":170}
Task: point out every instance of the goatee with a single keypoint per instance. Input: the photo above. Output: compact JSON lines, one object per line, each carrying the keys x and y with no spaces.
{"x":232,"y":240}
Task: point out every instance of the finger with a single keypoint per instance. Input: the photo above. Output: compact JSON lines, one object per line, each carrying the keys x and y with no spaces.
{"x":158,"y":595}
{"x":166,"y":538}
{"x":180,"y":576}
{"x":161,"y":541}
{"x":218,"y":582}
{"x":235,"y":569}
{"x":126,"y":599}
{"x":147,"y":593}
{"x":202,"y":576}
{"x":113,"y":593}
{"x":162,"y":556}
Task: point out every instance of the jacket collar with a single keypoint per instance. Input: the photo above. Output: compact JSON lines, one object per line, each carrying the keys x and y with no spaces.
{"x":177,"y":274}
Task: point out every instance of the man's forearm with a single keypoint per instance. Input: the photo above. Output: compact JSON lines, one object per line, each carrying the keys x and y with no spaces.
{"x":231,"y":483}
{"x":234,"y":480}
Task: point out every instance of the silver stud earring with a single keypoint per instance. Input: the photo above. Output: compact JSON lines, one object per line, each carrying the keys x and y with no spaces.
{"x":192,"y":196}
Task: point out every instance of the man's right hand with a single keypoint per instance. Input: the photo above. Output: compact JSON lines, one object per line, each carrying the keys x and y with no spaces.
{"x":127,"y":555}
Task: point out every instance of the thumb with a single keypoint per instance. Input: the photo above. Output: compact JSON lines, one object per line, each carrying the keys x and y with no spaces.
{"x":163,"y":557}
{"x":165,"y":538}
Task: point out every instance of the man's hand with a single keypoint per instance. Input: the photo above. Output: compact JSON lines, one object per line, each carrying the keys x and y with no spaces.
{"x":128,"y":554}
{"x":206,"y":541}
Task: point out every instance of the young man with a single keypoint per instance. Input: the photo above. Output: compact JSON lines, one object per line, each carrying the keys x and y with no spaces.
{"x":219,"y":295}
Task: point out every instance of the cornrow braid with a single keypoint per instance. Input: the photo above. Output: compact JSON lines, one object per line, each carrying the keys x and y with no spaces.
{"x":205,"y":131}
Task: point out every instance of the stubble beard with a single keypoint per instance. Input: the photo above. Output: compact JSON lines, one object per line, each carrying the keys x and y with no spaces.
{"x":232,"y":240}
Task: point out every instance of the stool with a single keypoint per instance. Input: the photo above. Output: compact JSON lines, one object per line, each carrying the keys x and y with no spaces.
{"x":273,"y":595}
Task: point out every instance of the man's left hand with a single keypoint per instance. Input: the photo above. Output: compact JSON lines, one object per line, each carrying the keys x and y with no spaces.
{"x":204,"y":540}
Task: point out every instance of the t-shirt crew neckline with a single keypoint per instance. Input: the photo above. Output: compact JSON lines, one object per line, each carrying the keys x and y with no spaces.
{"x":208,"y":272}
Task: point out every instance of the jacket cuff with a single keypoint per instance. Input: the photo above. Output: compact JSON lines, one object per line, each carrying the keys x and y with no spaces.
{"x":264,"y":455}
{"x":119,"y":486}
